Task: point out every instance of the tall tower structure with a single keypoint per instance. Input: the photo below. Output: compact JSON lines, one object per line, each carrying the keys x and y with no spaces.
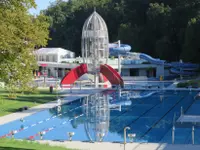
{"x":95,"y":50}
{"x":95,"y":53}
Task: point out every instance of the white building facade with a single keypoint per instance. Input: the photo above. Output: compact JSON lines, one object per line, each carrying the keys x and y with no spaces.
{"x":56,"y":62}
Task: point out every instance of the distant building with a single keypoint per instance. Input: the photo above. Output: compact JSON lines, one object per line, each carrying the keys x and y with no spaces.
{"x":53,"y":54}
{"x":58,"y":61}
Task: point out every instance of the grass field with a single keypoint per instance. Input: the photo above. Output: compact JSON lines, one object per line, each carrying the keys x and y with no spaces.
{"x":7,"y":144}
{"x":8,"y":105}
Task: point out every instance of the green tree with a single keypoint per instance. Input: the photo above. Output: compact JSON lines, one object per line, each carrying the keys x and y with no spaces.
{"x":20,"y":33}
{"x":191,"y":47}
{"x":156,"y":27}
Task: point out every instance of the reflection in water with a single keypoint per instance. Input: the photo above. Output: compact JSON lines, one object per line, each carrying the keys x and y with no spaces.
{"x":97,"y":115}
{"x":96,"y":111}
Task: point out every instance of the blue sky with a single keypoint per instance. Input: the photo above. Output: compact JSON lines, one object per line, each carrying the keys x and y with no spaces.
{"x":41,"y":4}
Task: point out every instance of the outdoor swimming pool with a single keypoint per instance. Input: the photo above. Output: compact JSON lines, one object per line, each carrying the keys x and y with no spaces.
{"x":150,"y":118}
{"x":147,"y":84}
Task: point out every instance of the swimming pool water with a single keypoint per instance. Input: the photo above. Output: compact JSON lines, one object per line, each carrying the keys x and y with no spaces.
{"x":147,"y":84}
{"x":106,"y":114}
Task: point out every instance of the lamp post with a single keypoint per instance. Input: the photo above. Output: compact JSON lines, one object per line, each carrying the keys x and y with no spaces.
{"x":173,"y":134}
{"x":70,"y":134}
{"x":100,"y":135}
{"x":131,"y":136}
{"x":41,"y":134}
{"x":13,"y":133}
{"x":125,"y":135}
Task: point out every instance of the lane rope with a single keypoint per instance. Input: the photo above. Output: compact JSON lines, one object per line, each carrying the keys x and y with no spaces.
{"x":39,"y":122}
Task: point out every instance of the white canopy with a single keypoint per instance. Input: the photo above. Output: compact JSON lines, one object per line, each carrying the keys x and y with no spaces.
{"x":46,"y":51}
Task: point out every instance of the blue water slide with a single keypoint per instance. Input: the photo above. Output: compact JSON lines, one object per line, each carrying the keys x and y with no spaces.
{"x":121,"y":49}
{"x":185,"y":66}
{"x":151,"y":59}
{"x":124,"y":49}
{"x":177,"y":67}
{"x":181,"y":72}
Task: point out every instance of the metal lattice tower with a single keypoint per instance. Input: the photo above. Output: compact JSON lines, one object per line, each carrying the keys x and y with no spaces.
{"x":95,"y":50}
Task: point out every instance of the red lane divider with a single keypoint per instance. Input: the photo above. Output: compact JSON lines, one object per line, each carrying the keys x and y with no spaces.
{"x":17,"y":131}
{"x":49,"y":129}
{"x":38,"y":134}
{"x":10,"y":134}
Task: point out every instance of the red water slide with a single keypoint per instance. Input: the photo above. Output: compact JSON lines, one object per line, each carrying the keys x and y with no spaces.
{"x":117,"y":74}
{"x":111,"y":74}
{"x":108,"y":74}
{"x":74,"y":74}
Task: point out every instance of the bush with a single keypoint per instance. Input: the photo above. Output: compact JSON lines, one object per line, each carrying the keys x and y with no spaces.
{"x":112,"y":57}
{"x":182,"y":85}
{"x":191,"y":83}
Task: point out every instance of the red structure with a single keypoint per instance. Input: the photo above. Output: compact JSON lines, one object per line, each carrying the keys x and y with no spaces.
{"x":74,"y":74}
{"x":107,"y":74}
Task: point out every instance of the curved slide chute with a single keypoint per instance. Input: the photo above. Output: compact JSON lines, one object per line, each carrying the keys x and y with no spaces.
{"x":116,"y":49}
{"x":116,"y":73}
{"x":151,"y":59}
{"x":74,"y":74}
{"x":181,"y":72}
{"x":112,"y":75}
{"x":124,"y":49}
{"x":107,"y":74}
{"x":176,"y":66}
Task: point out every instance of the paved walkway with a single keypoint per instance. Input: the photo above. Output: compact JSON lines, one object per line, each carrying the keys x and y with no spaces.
{"x":117,"y":146}
{"x":68,"y":97}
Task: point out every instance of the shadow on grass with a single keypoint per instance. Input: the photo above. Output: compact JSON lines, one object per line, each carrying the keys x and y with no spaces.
{"x":12,"y":148}
{"x":32,"y":110}
{"x":38,"y":99}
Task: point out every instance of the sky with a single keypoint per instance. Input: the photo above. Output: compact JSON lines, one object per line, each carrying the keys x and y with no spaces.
{"x":41,"y":4}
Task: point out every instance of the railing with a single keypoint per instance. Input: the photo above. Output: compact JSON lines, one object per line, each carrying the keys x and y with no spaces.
{"x":178,"y":124}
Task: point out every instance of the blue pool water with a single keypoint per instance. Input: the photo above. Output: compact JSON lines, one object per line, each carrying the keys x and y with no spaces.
{"x":150,"y":118}
{"x":148,"y":84}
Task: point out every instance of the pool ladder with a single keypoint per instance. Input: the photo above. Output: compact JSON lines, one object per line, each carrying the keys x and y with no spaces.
{"x":174,"y":128}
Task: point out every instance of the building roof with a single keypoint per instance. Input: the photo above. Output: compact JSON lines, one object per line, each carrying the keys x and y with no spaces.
{"x":51,"y":51}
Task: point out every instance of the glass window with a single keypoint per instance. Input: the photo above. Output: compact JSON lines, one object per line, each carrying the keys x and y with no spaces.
{"x":47,"y":58}
{"x":54,"y":58}
{"x":40,"y":58}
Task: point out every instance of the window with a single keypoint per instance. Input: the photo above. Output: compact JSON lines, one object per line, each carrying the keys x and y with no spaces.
{"x":40,"y":58}
{"x":47,"y":58}
{"x":54,"y":58}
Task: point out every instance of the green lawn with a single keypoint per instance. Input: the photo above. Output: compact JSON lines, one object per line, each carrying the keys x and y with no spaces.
{"x":8,"y":106}
{"x":6,"y":144}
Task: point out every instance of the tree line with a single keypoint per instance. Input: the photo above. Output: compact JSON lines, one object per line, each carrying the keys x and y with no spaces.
{"x":20,"y":34}
{"x":168,"y":29}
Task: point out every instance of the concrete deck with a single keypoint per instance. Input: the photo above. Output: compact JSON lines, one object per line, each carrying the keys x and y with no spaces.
{"x":68,"y":97}
{"x":118,"y":146}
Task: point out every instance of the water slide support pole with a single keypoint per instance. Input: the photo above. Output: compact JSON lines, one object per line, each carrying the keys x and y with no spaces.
{"x":119,"y":64}
{"x":119,"y":43}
